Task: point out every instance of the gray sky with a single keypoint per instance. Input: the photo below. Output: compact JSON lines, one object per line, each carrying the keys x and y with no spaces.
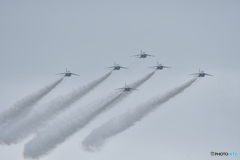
{"x":41,"y":38}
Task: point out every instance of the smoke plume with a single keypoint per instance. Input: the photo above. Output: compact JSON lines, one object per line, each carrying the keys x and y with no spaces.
{"x":119,"y":124}
{"x":47,"y":112}
{"x":24,"y":106}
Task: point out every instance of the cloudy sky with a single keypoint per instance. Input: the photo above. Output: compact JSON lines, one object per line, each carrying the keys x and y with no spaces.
{"x":41,"y":38}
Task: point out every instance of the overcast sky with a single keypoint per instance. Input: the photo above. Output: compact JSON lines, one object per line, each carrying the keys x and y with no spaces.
{"x":41,"y":38}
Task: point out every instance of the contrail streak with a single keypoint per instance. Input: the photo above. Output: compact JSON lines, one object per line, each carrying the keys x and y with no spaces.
{"x":54,"y":135}
{"x":50,"y":138}
{"x":121,"y":123}
{"x":24,"y":106}
{"x":47,"y":112}
{"x":142,"y":80}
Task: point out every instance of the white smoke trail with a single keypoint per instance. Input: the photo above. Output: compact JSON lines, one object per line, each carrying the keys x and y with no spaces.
{"x":119,"y":124}
{"x":142,"y":80}
{"x":47,"y":140}
{"x":47,"y":112}
{"x":24,"y":106}
{"x":50,"y":138}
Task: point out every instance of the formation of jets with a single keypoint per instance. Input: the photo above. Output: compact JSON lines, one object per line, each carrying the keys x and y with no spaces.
{"x":118,"y":67}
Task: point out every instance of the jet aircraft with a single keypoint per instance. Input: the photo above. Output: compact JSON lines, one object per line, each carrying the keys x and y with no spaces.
{"x":142,"y":55}
{"x":116,"y":67}
{"x":126,"y":88}
{"x":67,"y":74}
{"x":159,"y":67}
{"x":201,"y":74}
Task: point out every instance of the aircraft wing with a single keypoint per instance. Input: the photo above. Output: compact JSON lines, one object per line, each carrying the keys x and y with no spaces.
{"x":166,"y":67}
{"x":153,"y":67}
{"x":123,"y":67}
{"x":136,"y":55}
{"x":208,"y":74}
{"x":150,"y":55}
{"x":75,"y":74}
{"x":134,"y":89}
{"x":60,"y":73}
{"x":120,"y":89}
{"x":110,"y":67}
{"x":194,"y":74}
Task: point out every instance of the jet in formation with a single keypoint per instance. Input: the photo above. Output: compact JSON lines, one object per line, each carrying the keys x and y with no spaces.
{"x":67,"y":74}
{"x":126,"y":88}
{"x":201,"y":74}
{"x":116,"y":67}
{"x":142,"y":55}
{"x":159,"y":67}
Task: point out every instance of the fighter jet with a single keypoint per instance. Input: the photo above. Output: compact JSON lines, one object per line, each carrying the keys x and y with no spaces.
{"x":142,"y":55}
{"x":201,"y":74}
{"x":159,"y":67}
{"x":67,"y":74}
{"x":116,"y":67}
{"x":126,"y":88}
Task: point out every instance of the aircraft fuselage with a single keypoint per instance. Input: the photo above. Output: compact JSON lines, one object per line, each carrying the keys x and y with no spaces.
{"x":68,"y":74}
{"x":201,"y":75}
{"x":127,"y":89}
{"x":116,"y":68}
{"x":159,"y":67}
{"x":143,"y":56}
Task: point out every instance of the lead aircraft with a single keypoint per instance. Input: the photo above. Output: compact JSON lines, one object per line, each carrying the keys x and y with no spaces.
{"x":142,"y":55}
